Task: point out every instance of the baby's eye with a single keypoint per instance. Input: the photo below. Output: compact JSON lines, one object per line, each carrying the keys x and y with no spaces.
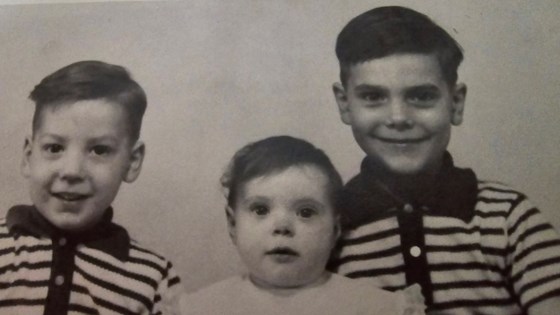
{"x":53,"y":148}
{"x":307,"y":212}
{"x":101,"y":150}
{"x":260,"y":210}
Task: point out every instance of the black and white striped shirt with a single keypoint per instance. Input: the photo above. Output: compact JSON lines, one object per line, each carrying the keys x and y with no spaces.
{"x":44,"y":271}
{"x":476,"y":247}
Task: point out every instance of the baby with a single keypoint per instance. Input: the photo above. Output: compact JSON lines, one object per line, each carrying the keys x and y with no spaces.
{"x":282,"y":217}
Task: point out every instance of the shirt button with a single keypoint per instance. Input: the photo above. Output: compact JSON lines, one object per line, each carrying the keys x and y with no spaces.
{"x":59,"y":280}
{"x":408,"y":208}
{"x":62,"y":241}
{"x":415,"y":251}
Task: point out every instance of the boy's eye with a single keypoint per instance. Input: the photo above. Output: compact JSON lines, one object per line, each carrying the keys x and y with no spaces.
{"x":423,"y":98}
{"x":53,"y":148}
{"x":101,"y":150}
{"x":260,"y":210}
{"x":307,"y":212}
{"x":374,"y":97}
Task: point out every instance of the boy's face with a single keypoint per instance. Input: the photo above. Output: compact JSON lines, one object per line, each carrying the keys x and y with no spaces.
{"x":284,"y":227}
{"x":401,"y":111}
{"x":76,"y":160}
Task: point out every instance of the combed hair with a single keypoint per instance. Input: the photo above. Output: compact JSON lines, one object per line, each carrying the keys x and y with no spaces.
{"x":91,"y":80}
{"x":385,"y":31}
{"x":273,"y":155}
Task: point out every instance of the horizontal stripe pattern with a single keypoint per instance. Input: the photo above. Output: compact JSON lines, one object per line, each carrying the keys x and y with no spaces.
{"x":504,"y":260}
{"x":144,"y":284}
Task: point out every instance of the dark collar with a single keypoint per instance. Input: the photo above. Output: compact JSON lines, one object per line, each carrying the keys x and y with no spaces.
{"x":106,"y":236}
{"x":450,"y":193}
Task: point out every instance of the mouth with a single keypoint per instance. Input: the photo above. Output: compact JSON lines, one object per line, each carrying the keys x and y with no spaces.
{"x":402,"y":141}
{"x":283,"y":254}
{"x":69,"y":196}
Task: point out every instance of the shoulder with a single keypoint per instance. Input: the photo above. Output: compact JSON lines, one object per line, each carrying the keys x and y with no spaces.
{"x":3,"y":228}
{"x":138,"y":249}
{"x":222,"y":286}
{"x":497,"y":190}
{"x":6,"y":238}
{"x":141,"y":255}
{"x":213,"y":298}
{"x":496,"y":196}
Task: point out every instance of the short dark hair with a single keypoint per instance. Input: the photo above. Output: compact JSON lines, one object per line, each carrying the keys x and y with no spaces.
{"x":385,"y":31}
{"x":272,"y":155}
{"x":91,"y":80}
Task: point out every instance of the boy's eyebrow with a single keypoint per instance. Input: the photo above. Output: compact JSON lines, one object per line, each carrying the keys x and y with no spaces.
{"x":102,"y":138}
{"x":423,"y":87}
{"x":369,"y":87}
{"x":50,"y":135}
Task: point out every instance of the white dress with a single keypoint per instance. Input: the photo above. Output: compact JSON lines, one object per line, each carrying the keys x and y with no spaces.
{"x":338,"y":295}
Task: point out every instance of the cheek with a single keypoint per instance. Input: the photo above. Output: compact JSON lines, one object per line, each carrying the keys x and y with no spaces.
{"x":322,"y":240}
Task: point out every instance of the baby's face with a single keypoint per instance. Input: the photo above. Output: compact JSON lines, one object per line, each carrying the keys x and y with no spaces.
{"x":284,"y":227}
{"x":401,"y":111}
{"x":76,"y":161}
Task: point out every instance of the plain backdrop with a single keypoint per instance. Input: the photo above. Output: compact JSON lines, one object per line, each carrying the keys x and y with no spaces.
{"x":219,"y":74}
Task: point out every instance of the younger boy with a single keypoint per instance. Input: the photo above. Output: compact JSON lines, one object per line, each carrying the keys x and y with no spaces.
{"x":475,"y":247}
{"x":64,"y":254}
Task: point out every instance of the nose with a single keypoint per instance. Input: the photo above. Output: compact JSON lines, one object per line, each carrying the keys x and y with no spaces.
{"x":73,"y":167}
{"x":283,"y":225}
{"x":399,"y":116}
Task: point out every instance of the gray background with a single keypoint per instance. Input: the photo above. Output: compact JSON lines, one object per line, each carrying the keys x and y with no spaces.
{"x":219,"y":74}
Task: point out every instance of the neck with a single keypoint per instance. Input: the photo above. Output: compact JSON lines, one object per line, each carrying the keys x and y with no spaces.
{"x":404,"y":186}
{"x":287,"y":290}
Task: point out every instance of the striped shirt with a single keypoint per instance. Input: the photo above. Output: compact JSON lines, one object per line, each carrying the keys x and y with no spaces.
{"x":475,"y":247}
{"x":44,"y":271}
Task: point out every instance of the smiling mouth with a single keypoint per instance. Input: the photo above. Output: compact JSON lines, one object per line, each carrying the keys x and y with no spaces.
{"x":402,"y":141}
{"x":67,"y":196}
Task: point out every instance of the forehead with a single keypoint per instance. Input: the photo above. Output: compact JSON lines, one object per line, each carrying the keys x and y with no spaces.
{"x":87,"y":116}
{"x":398,"y":70}
{"x":293,"y":181}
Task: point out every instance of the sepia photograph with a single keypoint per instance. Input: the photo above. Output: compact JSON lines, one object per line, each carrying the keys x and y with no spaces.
{"x":280,"y":157}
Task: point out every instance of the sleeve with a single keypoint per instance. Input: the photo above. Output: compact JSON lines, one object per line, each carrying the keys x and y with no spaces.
{"x":533,"y":254}
{"x":169,"y":292}
{"x":411,"y":301}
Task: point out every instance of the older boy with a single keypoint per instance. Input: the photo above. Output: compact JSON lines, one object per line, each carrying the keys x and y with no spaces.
{"x":475,"y":247}
{"x":64,"y":254}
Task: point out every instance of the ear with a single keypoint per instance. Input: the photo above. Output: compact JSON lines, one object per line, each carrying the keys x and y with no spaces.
{"x":135,"y":163}
{"x":230,"y":214}
{"x":337,"y":230}
{"x":342,"y":101}
{"x":25,"y":167}
{"x":459,"y":97}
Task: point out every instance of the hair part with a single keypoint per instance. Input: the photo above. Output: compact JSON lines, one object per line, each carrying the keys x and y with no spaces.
{"x":273,"y":155}
{"x":91,"y":80}
{"x":385,"y":31}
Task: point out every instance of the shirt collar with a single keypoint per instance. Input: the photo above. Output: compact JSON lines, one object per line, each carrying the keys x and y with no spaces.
{"x":451,"y":193}
{"x":106,"y":236}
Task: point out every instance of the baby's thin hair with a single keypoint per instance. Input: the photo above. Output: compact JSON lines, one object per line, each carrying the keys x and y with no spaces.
{"x":91,"y":80}
{"x":385,"y":31}
{"x":273,"y":155}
